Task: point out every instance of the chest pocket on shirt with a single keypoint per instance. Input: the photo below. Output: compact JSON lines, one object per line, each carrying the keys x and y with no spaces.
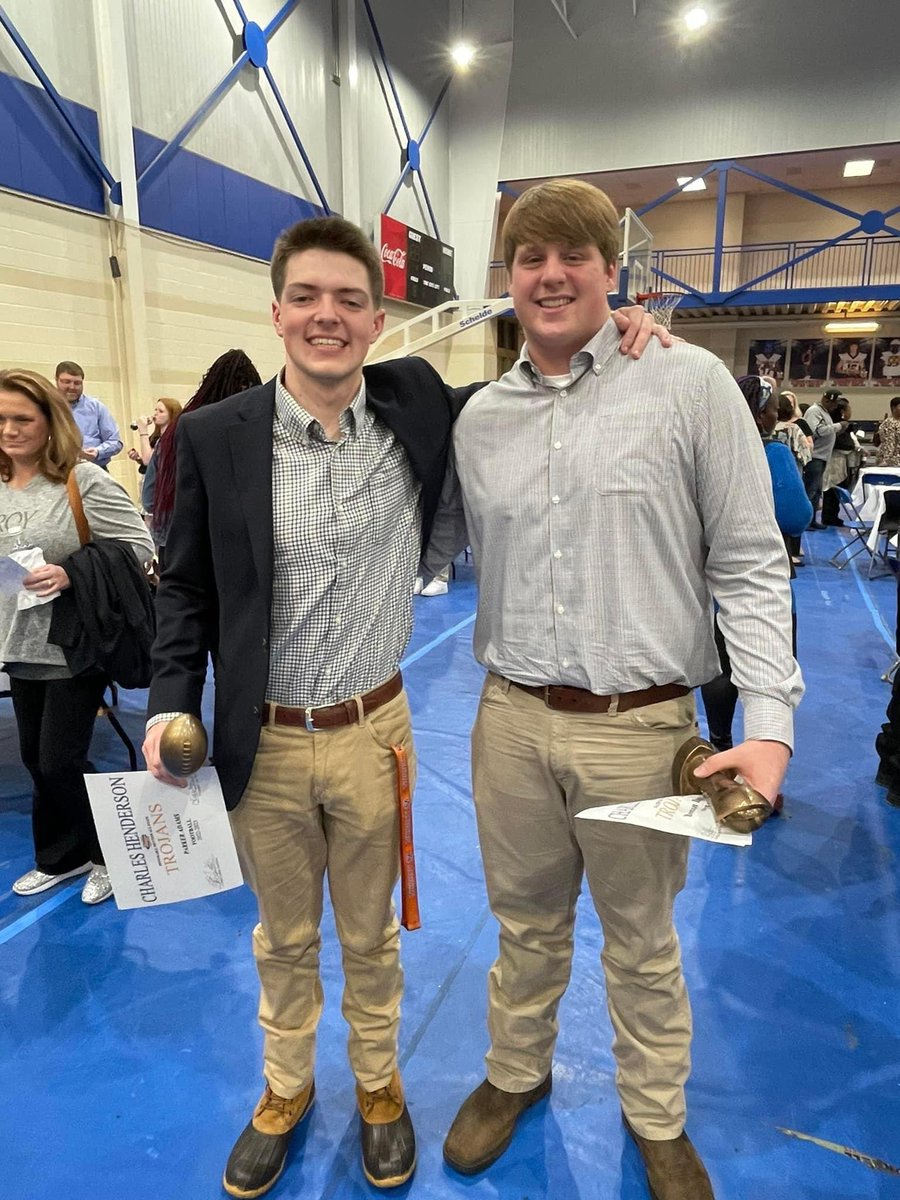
{"x":635,"y":453}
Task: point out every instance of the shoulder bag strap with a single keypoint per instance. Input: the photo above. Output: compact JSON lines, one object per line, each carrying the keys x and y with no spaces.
{"x":77,"y":507}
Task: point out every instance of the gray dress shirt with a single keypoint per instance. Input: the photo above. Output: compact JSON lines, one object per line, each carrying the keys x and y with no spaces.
{"x":604,"y":516}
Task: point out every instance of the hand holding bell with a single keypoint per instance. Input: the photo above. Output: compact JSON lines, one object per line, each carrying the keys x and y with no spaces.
{"x":183,"y":745}
{"x":736,"y":805}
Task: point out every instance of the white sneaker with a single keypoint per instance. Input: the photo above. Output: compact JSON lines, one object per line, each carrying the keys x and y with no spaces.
{"x":417,"y":586}
{"x":36,"y":881}
{"x":437,"y":587}
{"x":98,"y":887}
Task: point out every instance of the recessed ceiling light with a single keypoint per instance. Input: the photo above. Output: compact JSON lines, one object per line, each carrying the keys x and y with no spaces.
{"x":696,"y":18}
{"x":684,"y":182}
{"x":858,"y":166}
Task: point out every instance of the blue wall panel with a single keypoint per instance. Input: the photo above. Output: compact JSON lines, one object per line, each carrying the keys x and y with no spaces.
{"x":38,"y":154}
{"x":202,"y":200}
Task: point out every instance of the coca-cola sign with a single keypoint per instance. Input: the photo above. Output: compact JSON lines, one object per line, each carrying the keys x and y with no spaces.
{"x":394,"y":252}
{"x":393,"y":258}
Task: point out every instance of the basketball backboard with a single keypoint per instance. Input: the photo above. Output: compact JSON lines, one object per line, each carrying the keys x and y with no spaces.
{"x":635,"y":259}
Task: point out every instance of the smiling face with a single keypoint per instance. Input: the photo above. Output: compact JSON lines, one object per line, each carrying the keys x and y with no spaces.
{"x":24,"y":429}
{"x":326,"y":318}
{"x":560,"y":295}
{"x":71,"y":386}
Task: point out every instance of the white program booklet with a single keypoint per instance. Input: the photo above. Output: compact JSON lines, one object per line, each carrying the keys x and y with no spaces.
{"x":689,"y":816}
{"x":163,"y":844}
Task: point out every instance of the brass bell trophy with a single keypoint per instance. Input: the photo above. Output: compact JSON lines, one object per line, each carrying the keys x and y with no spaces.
{"x":183,"y":745}
{"x":736,"y":805}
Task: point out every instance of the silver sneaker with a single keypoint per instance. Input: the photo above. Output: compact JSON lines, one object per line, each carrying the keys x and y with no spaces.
{"x":36,"y":881}
{"x":98,"y":887}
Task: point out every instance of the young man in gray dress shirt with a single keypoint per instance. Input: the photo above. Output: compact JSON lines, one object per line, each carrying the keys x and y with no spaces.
{"x":604,"y":513}
{"x":300,"y":510}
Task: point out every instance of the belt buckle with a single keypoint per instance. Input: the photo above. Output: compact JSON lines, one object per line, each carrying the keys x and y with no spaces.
{"x":308,"y":718}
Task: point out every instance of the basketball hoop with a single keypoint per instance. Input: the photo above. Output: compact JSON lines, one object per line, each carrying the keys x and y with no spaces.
{"x":661,"y":305}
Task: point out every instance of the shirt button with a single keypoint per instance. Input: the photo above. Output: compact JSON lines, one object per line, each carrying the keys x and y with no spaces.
{"x":557,"y":553}
{"x":557,"y":445}
{"x":596,"y":370}
{"x":565,"y":662}
{"x":563,"y":393}
{"x":554,"y":499}
{"x":560,"y":608}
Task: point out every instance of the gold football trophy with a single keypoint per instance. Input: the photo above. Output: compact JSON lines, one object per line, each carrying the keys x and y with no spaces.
{"x":183,"y":745}
{"x":737,"y":806}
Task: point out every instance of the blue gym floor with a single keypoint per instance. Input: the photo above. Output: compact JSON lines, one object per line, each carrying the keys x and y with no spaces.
{"x":129,"y":1051}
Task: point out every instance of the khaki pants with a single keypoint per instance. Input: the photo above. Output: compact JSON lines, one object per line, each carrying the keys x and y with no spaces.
{"x":533,"y":770}
{"x":317,"y":803}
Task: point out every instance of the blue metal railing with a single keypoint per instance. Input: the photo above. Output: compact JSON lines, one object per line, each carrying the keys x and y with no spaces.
{"x":861,"y":262}
{"x":781,"y":270}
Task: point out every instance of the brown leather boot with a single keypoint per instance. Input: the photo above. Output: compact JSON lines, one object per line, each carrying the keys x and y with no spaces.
{"x":259,"y":1153}
{"x":483,"y":1127}
{"x":387,"y":1137}
{"x":674,"y":1169}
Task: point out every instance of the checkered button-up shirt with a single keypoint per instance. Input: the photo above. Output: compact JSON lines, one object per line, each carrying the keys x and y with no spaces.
{"x":347,"y":526}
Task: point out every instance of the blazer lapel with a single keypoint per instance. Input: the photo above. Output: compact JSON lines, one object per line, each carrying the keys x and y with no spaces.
{"x":250,"y":440}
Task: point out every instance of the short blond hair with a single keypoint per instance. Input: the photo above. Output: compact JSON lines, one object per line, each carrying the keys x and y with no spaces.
{"x":565,"y":211}
{"x":63,"y":448}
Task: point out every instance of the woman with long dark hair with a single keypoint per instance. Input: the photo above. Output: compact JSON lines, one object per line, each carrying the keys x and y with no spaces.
{"x":232,"y":372}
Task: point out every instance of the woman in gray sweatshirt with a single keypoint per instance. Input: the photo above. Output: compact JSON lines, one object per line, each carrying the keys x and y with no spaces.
{"x":40,"y":446}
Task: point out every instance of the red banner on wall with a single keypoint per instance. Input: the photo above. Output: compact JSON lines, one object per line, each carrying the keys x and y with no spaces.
{"x":394,"y":256}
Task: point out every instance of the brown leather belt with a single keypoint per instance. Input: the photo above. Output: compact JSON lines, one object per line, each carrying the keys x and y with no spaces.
{"x":579,"y":700}
{"x":331,"y":716}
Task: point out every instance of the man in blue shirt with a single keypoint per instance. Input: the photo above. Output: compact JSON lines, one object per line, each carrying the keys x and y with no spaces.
{"x":99,"y":432}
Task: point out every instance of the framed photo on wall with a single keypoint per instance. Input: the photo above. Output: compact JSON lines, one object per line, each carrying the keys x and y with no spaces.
{"x":767,"y":358}
{"x":809,"y":362}
{"x":886,"y":363}
{"x":851,"y":359}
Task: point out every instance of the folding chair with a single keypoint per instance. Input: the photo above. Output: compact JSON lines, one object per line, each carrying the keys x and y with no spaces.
{"x":853,"y":523}
{"x":105,"y":710}
{"x":888,"y":527}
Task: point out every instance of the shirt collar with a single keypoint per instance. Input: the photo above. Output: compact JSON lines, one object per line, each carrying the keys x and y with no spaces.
{"x":300,"y":424}
{"x":593,"y":355}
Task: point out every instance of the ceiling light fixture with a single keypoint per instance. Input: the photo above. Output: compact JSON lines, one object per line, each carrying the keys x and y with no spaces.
{"x":695,"y":18}
{"x":463,"y":54}
{"x":686,"y":184}
{"x":848,"y":327}
{"x":857,"y":167}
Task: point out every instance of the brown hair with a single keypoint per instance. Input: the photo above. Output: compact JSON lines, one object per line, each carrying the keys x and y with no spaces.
{"x":63,"y":448}
{"x":566,"y":211}
{"x":66,"y":367}
{"x":335,"y":235}
{"x":173,"y":408}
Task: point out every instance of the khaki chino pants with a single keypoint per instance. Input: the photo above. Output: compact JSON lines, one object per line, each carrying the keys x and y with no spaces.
{"x":326,"y":803}
{"x":533,"y":770}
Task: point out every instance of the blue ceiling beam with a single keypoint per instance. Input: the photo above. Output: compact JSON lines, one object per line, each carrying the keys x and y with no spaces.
{"x":252,"y":49}
{"x":382,"y":54}
{"x":412,"y":164}
{"x":296,"y":136}
{"x":115,"y":187}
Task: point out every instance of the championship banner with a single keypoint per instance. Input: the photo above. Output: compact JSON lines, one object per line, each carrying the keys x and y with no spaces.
{"x":161,"y":843}
{"x":417,"y":268}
